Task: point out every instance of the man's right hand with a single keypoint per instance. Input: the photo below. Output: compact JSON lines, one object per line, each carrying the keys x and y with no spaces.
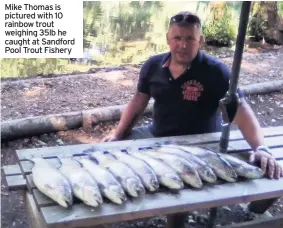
{"x":129,"y":117}
{"x":110,"y":138}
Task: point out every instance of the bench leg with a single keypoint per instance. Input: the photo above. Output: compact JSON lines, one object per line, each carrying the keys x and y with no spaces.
{"x":212,"y":217}
{"x":36,"y":219}
{"x":176,"y":220}
{"x":261,"y":206}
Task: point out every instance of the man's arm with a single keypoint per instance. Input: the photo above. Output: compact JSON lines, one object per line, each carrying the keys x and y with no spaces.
{"x":249,"y":125}
{"x":130,"y":116}
{"x":252,"y":132}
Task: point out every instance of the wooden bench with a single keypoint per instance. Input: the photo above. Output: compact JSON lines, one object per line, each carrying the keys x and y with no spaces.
{"x":45,"y":213}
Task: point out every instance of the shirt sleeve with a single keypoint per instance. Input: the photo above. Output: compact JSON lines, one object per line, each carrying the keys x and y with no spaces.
{"x":225,"y":75}
{"x":143,"y":81}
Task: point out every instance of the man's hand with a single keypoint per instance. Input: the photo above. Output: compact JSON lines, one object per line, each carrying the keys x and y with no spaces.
{"x":267,"y":163}
{"x":110,"y":138}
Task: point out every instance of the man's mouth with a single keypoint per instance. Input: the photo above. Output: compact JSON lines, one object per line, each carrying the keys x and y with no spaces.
{"x":182,"y":54}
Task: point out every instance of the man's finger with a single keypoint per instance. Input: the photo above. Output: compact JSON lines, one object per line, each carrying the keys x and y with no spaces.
{"x":263,"y":164}
{"x":277,"y":171}
{"x":252,"y":158}
{"x":271,"y":167}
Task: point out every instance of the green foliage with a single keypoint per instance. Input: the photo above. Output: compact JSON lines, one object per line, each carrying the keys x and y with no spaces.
{"x":280,"y":8}
{"x":220,"y":29}
{"x":128,"y":32}
{"x":30,"y":67}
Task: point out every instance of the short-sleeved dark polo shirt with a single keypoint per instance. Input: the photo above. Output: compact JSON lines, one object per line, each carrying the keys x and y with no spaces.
{"x":188,"y":104}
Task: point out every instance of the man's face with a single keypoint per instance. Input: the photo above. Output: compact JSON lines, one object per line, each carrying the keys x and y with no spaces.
{"x":184,"y":42}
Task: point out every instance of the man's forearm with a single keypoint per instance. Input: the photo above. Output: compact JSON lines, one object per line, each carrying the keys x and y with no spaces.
{"x":249,"y":126}
{"x":128,"y":120}
{"x":131,"y":114}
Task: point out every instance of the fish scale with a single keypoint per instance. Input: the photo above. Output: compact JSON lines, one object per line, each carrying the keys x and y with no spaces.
{"x":51,"y":182}
{"x":218,"y":164}
{"x":204,"y":171}
{"x":183,"y":167}
{"x":165,"y":174}
{"x":108,"y":184}
{"x":124,"y":174}
{"x":141,"y":168}
{"x":84,"y":186}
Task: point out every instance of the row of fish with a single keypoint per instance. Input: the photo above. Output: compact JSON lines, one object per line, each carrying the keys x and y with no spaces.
{"x":116,"y":174}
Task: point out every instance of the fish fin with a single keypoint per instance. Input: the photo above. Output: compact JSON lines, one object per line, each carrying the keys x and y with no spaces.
{"x":61,"y":157}
{"x":30,"y":158}
{"x":111,"y":154}
{"x":48,"y":186}
{"x":89,"y":150}
{"x":76,"y":186}
{"x":92,"y":158}
{"x":79,"y":163}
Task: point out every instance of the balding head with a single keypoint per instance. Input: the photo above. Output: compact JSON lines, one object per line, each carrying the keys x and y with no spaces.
{"x":184,"y":19}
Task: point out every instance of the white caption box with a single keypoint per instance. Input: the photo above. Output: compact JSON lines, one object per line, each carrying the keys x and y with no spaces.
{"x":41,"y":29}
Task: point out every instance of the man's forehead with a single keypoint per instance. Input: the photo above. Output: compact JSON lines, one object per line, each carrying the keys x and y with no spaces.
{"x":189,"y":29}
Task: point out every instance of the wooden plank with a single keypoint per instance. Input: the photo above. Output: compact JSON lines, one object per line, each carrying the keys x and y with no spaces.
{"x":42,"y":200}
{"x":192,"y":139}
{"x":278,"y":152}
{"x":164,"y":203}
{"x":27,"y":165}
{"x":16,"y":182}
{"x":243,"y":145}
{"x":36,"y":219}
{"x":10,"y":170}
{"x":30,"y":182}
{"x":276,"y":222}
{"x":235,"y":146}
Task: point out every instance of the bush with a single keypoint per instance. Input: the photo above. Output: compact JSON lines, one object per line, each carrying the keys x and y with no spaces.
{"x":220,"y":29}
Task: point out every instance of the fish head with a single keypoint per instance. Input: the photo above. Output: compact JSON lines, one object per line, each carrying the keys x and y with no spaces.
{"x":153,"y":184}
{"x":62,"y":194}
{"x":173,"y":181}
{"x":227,"y":170}
{"x":92,"y":196}
{"x":209,"y":175}
{"x":116,"y":194}
{"x":253,"y":172}
{"x":135,"y":187}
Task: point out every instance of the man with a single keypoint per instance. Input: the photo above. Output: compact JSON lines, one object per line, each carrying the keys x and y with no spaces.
{"x":186,"y":85}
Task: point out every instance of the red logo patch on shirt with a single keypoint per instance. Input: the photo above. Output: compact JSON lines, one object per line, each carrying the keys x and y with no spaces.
{"x":192,"y":90}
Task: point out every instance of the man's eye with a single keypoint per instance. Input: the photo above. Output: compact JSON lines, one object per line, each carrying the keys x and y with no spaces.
{"x":178,"y":38}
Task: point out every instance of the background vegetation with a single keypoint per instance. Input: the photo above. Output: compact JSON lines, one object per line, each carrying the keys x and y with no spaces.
{"x":129,"y":32}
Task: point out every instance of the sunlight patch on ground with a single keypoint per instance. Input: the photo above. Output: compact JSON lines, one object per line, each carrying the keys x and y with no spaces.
{"x":126,"y":82}
{"x":79,"y":137}
{"x":34,"y":92}
{"x":115,"y":77}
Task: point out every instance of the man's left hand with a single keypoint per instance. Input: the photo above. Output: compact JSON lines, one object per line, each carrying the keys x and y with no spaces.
{"x":267,"y":163}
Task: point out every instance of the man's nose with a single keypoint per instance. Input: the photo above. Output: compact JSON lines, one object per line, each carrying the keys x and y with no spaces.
{"x":184,"y":43}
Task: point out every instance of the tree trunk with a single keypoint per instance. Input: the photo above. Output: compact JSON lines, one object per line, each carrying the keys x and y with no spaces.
{"x":31,"y":126}
{"x":271,"y":34}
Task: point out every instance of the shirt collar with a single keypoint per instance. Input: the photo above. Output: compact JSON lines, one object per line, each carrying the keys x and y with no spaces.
{"x":166,"y":60}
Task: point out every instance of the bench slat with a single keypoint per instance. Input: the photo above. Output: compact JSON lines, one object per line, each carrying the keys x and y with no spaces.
{"x":16,"y":182}
{"x":27,"y":165}
{"x":165,"y":203}
{"x":12,"y":170}
{"x":276,"y":222}
{"x":191,"y":139}
{"x":43,"y":201}
{"x":234,"y":146}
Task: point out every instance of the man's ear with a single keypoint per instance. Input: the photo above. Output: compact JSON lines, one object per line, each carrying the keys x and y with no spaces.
{"x":201,"y":41}
{"x":167,"y":38}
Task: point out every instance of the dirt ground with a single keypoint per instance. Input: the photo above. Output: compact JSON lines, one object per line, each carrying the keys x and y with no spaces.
{"x":57,"y":94}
